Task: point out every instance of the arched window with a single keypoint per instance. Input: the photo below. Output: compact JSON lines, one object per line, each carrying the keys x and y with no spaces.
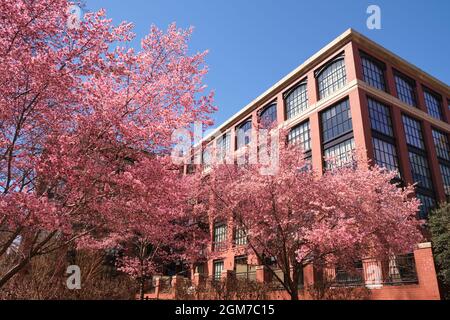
{"x":331,"y":77}
{"x":244,"y":133}
{"x":296,"y":100}
{"x":268,"y":115}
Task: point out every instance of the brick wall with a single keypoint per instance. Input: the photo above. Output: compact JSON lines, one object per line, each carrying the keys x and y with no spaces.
{"x":426,"y":289}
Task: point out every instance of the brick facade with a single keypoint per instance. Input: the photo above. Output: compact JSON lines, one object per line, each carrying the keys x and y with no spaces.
{"x":353,"y":46}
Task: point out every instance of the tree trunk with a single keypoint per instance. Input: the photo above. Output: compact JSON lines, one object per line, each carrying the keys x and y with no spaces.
{"x":25,"y":262}
{"x":13,"y":271}
{"x":141,"y":289}
{"x":294,"y":283}
{"x":294,"y":293}
{"x":294,"y":297}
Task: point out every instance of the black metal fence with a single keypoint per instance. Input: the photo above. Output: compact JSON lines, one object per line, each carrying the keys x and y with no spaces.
{"x":398,"y":270}
{"x":247,"y":276}
{"x":371,"y":273}
{"x":165,"y":284}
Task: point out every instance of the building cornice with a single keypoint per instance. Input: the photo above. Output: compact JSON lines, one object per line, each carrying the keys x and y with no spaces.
{"x":395,"y":60}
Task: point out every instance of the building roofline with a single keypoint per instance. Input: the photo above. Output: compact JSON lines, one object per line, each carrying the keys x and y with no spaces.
{"x":347,"y":36}
{"x":355,"y":35}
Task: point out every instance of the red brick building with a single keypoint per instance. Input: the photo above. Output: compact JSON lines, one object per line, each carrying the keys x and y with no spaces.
{"x":353,"y":93}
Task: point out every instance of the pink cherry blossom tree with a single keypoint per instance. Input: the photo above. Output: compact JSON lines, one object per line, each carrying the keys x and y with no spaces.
{"x":160,"y":226}
{"x":298,"y":216}
{"x":85,"y":129}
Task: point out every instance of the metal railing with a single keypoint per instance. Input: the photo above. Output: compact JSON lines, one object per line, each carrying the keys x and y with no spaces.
{"x":399,"y":270}
{"x":344,"y":278}
{"x":402,"y":270}
{"x":208,"y":283}
{"x":247,"y":276}
{"x":151,"y":286}
{"x":275,"y":284}
{"x":165,"y":284}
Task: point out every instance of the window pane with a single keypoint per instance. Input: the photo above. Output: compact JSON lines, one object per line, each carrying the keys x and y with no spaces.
{"x":420,"y":170}
{"x":433,"y":105}
{"x":332,"y":78}
{"x":297,"y":101}
{"x":385,"y":154}
{"x":268,"y":116}
{"x":373,"y":73}
{"x":380,"y":117}
{"x":445,"y":171}
{"x":413,"y":132}
{"x":301,"y":135}
{"x":244,"y":134}
{"x":220,"y":236}
{"x":207,"y":157}
{"x":336,"y":121}
{"x":428,"y":203}
{"x":200,"y":268}
{"x":240,"y":236}
{"x":339,"y":155}
{"x":240,"y":265}
{"x":405,"y":90}
{"x":223,"y":146}
{"x":442,"y":145}
{"x":218,"y":268}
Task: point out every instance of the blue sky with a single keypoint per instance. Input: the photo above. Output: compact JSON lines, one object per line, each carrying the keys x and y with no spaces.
{"x":254,"y":43}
